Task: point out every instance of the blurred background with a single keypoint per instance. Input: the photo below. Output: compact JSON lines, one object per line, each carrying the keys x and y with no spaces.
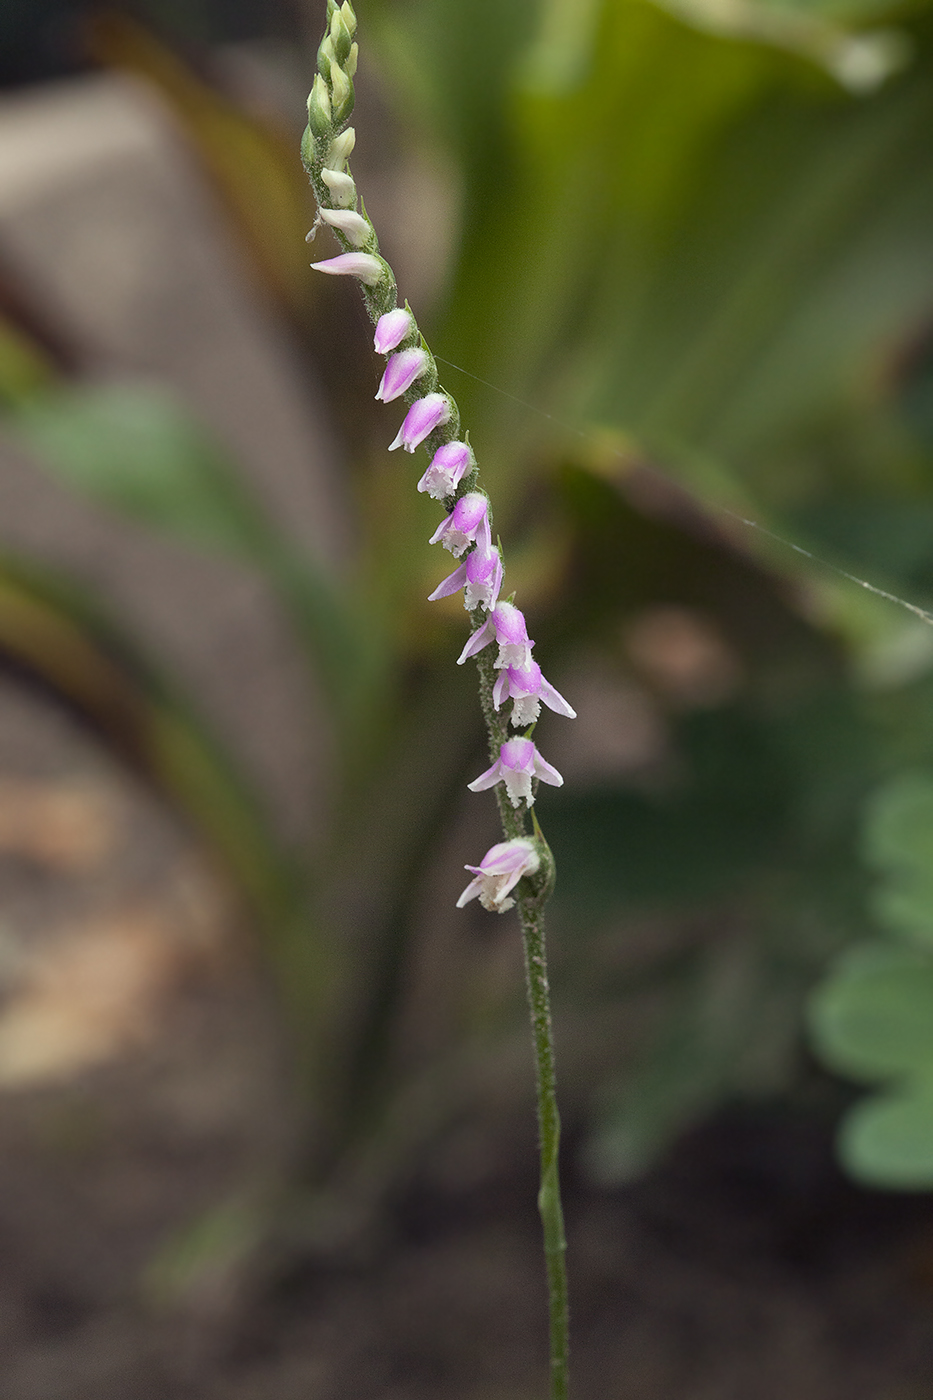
{"x":266,"y":1099}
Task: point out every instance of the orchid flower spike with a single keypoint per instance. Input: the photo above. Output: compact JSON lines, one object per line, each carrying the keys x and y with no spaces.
{"x":422,"y":418}
{"x":448,"y":466}
{"x":467,"y":523}
{"x":518,"y":762}
{"x":499,"y":872}
{"x":526,"y":688}
{"x":401,"y":372}
{"x":506,"y":624}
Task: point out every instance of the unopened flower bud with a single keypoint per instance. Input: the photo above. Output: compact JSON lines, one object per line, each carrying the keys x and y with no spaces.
{"x":392,"y":329}
{"x":326,"y":57}
{"x":342,"y":188}
{"x":401,"y":372}
{"x":352,"y":225}
{"x":340,"y":149}
{"x":342,"y":92}
{"x":320,"y":118}
{"x":422,"y":418}
{"x":362,"y":265}
{"x":349,"y":18}
{"x":340,"y":37}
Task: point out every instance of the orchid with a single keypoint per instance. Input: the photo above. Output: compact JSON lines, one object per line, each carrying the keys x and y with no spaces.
{"x":518,"y":762}
{"x":499,"y":872}
{"x":467,"y":532}
{"x":506,"y":625}
{"x":401,"y":372}
{"x":362,"y":265}
{"x":466,"y":524}
{"x":448,"y":466}
{"x":480,"y":577}
{"x":341,"y":189}
{"x":526,"y":688}
{"x":391,"y":329}
{"x":422,"y":418}
{"x":353,"y":226}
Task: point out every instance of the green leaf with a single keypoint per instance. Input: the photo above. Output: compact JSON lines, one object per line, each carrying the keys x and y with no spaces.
{"x":873,"y":1018}
{"x":135,"y":449}
{"x":899,"y":843}
{"x":887,"y":1140}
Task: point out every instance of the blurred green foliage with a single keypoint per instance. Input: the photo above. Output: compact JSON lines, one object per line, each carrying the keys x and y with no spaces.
{"x":699,"y":238}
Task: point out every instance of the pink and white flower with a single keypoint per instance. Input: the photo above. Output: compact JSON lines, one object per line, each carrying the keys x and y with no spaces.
{"x":518,"y":762}
{"x":499,"y":872}
{"x":506,"y":624}
{"x":448,"y":467}
{"x":467,"y":523}
{"x":526,"y":688}
{"x":341,"y":187}
{"x":351,"y":224}
{"x":480,"y":577}
{"x":421,"y":419}
{"x":401,"y":372}
{"x":392,"y":329}
{"x":362,"y":265}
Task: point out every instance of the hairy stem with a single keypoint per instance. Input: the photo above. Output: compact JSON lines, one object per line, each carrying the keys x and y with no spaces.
{"x":549,"y":1204}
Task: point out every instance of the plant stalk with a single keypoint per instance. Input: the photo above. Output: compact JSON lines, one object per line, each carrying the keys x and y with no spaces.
{"x":549,"y":1203}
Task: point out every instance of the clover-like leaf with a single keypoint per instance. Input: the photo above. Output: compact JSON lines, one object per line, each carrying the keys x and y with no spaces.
{"x":873,"y":1018}
{"x":887,"y":1139}
{"x":899,"y":844}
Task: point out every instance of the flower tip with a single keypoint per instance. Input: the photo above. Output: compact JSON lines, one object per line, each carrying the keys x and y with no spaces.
{"x":391,"y":329}
{"x":362,"y":265}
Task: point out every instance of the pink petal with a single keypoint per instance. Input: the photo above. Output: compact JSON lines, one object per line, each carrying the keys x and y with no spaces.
{"x":510,"y":625}
{"x":391,"y":330}
{"x":555,"y":701}
{"x":480,"y":638}
{"x":400,"y":373}
{"x":451,"y":584}
{"x":421,"y":420}
{"x":472,"y":889}
{"x":546,"y":773}
{"x":362,"y":265}
{"x":518,"y":754}
{"x":525,"y":682}
{"x":487,"y":779}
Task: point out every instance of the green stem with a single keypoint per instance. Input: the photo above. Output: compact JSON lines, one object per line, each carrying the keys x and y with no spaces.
{"x":552,"y":1215}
